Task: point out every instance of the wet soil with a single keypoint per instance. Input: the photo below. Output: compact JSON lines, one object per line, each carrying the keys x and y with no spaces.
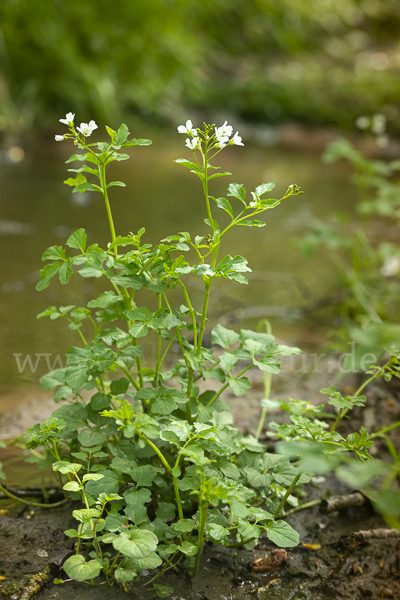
{"x":335,"y":570}
{"x":32,"y":542}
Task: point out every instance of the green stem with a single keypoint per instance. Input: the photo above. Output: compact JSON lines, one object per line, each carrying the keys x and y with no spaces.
{"x":205,"y":188}
{"x":303,"y":507}
{"x":157,"y":369}
{"x":267,"y":384}
{"x":223,"y":388}
{"x":157,"y":451}
{"x":102,"y":170}
{"x":384,"y":430}
{"x":202,"y":526}
{"x":192,"y":313}
{"x":204,"y":314}
{"x":129,"y":376}
{"x":138,"y":364}
{"x":163,"y":358}
{"x":286,"y":496}
{"x":38,"y":504}
{"x":376,"y":375}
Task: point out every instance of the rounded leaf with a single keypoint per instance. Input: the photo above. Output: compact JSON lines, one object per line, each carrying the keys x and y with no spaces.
{"x":137,"y":544}
{"x":77,"y":568}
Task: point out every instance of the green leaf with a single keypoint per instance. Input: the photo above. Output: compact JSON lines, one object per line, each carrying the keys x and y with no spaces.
{"x":105,"y":300}
{"x":72,"y":486}
{"x":92,"y":477}
{"x":86,"y":187}
{"x":65,"y":467}
{"x":123,"y":574}
{"x":282,"y":350}
{"x":251,"y":223}
{"x":223,"y":337}
{"x":228,"y":361}
{"x":46,"y":275}
{"x":184,"y":526}
{"x":151,"y":561}
{"x":54,"y":253}
{"x":218,"y":175}
{"x":136,"y":500}
{"x":188,"y":548}
{"x":144,"y":475}
{"x":116,"y":183}
{"x":138,"y":543}
{"x":269,"y":365}
{"x":282,"y":534}
{"x":89,"y":437}
{"x":237,"y":190}
{"x":76,"y":568}
{"x":163,"y":591}
{"x":119,"y":386}
{"x":74,"y":415}
{"x":52,"y":379}
{"x":2,"y":474}
{"x":137,"y":142}
{"x":239,"y":386}
{"x":109,"y":484}
{"x":230,"y":470}
{"x":77,"y":377}
{"x":187,"y":163}
{"x":264,"y":187}
{"x":122,"y":135}
{"x":77,"y":240}
{"x":78,"y":180}
{"x":165,"y":511}
{"x":224,"y":204}
{"x":65,"y":273}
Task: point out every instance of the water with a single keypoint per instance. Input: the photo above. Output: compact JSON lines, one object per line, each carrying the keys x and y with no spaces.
{"x":37,"y":210}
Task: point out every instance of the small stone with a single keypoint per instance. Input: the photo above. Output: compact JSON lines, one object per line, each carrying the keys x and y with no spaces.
{"x":42,"y":553}
{"x":386,"y":593}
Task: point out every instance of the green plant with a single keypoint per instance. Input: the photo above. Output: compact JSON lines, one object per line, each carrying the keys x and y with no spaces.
{"x":367,"y":263}
{"x":140,"y":445}
{"x":316,"y":446}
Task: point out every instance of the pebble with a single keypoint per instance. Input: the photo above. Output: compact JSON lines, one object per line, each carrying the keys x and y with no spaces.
{"x":386,"y":593}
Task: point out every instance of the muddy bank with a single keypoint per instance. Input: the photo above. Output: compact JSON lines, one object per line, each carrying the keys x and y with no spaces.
{"x":333,"y":570}
{"x":324,"y":565}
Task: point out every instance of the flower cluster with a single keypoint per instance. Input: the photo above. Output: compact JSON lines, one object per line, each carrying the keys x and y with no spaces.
{"x":86,"y":129}
{"x":219,"y":139}
{"x":223,"y":134}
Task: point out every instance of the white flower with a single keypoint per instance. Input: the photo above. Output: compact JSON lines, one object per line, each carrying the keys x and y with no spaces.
{"x":59,"y":138}
{"x":192,"y":144}
{"x":362,"y":122}
{"x":391,"y":266}
{"x":87,"y":129}
{"x":188,"y":128}
{"x":92,"y":126}
{"x":222,"y":142}
{"x":378,"y":124}
{"x":69,"y":119}
{"x":224,"y":131}
{"x":237,"y":140}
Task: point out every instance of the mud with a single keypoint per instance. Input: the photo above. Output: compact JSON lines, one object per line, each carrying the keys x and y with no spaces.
{"x":335,"y":570}
{"x":32,"y":542}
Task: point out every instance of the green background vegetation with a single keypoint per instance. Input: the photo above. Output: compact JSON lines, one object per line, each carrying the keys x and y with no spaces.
{"x":321,"y":61}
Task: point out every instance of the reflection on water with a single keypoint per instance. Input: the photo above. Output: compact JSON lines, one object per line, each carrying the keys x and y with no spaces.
{"x":38,"y":211}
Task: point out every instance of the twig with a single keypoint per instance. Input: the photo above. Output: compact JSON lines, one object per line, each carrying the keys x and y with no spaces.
{"x":362,"y":536}
{"x":338,"y":502}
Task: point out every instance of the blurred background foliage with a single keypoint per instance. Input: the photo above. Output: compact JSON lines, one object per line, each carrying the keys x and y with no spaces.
{"x":319,"y":62}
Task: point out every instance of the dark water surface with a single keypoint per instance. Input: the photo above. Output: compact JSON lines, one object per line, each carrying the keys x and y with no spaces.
{"x":37,"y":210}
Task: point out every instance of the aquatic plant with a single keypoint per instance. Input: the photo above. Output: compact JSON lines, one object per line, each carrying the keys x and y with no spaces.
{"x":147,"y":448}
